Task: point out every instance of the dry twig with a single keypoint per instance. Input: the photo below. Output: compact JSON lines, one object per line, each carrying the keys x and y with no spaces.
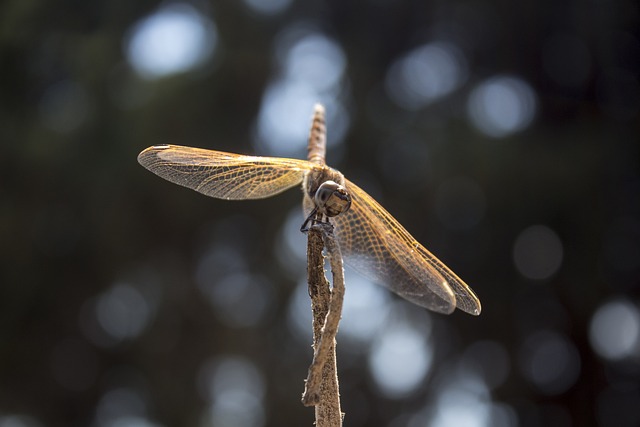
{"x":321,"y":388}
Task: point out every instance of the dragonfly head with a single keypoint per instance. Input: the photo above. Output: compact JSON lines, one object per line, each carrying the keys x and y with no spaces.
{"x":332,"y":199}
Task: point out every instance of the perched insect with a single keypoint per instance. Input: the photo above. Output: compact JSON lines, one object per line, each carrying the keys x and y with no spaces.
{"x":371,"y":240}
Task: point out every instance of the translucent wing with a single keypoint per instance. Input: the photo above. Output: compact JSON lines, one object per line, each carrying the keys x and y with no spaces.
{"x":373,"y":242}
{"x":376,"y":245}
{"x":224,"y":175}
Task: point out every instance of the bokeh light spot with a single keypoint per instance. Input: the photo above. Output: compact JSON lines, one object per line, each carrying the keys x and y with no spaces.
{"x":174,"y":39}
{"x":491,"y":360}
{"x":502,"y":415}
{"x":291,"y":243}
{"x":537,"y":252}
{"x":550,"y":361}
{"x":316,"y":59}
{"x":426,"y":74}
{"x":285,"y":117}
{"x":462,"y":400}
{"x":311,"y":70}
{"x":131,"y":422}
{"x":299,"y":312}
{"x":241,"y":300}
{"x":400,"y":360}
{"x":501,"y":106}
{"x":234,"y":388}
{"x":268,"y":7}
{"x":123,"y":312}
{"x":615,"y":330}
{"x":19,"y":420}
{"x":461,"y":408}
{"x":123,"y":407}
{"x":366,"y":309}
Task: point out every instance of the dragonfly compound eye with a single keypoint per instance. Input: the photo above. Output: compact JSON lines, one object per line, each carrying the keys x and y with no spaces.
{"x":332,"y":199}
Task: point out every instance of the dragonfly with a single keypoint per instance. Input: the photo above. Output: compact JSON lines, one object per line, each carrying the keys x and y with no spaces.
{"x":371,"y":240}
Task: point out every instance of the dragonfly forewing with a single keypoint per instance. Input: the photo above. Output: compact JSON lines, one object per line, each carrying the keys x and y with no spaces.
{"x":377,"y":246}
{"x":224,"y":175}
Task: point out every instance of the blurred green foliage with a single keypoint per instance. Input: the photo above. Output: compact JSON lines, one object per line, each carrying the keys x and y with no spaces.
{"x":79,"y":217}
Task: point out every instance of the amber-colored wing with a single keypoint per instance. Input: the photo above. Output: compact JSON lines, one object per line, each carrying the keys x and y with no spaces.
{"x":376,"y":245}
{"x":224,"y":175}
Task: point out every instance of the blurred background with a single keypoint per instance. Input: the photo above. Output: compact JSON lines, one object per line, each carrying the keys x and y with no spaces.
{"x":504,"y":136}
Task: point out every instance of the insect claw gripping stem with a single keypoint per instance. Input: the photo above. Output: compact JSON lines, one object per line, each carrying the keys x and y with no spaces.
{"x":309,"y":219}
{"x":314,"y":221}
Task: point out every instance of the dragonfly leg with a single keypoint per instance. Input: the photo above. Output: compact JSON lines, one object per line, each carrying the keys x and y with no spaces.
{"x":310,"y":219}
{"x":314,"y":218}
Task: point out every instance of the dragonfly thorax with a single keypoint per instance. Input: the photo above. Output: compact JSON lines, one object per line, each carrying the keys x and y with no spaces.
{"x":332,"y":198}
